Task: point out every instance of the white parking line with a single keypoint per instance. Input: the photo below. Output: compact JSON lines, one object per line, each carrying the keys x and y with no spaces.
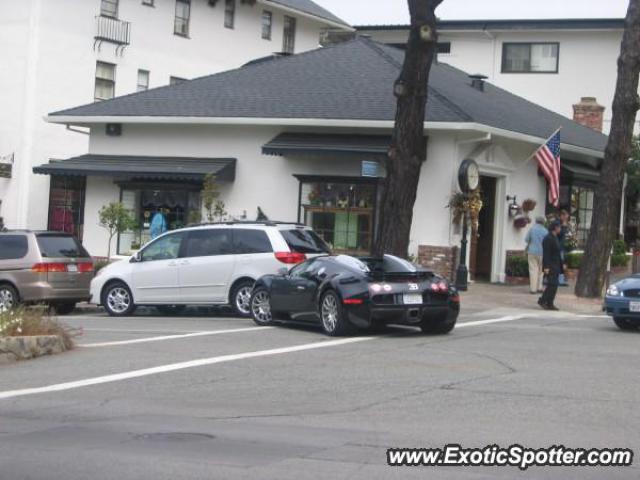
{"x":178,"y":366}
{"x":171,"y":337}
{"x":215,"y":360}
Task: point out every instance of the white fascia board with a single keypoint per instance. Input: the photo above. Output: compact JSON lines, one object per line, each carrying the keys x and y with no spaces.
{"x":300,"y":13}
{"x":313,"y":122}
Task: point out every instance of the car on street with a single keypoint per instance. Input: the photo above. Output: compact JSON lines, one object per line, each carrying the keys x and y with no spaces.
{"x":344,"y":294}
{"x":52,"y":268}
{"x":622,"y":302}
{"x":215,"y":264}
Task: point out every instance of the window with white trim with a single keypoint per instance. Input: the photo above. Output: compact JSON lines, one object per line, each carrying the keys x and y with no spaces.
{"x":289,"y":37}
{"x":267,"y":24}
{"x":229,"y":13}
{"x":530,"y":57}
{"x":105,"y":81}
{"x":182,"y":18}
{"x":143,"y":80}
{"x":109,"y":8}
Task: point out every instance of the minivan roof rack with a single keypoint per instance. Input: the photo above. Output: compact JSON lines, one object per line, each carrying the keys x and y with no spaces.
{"x":268,"y":223}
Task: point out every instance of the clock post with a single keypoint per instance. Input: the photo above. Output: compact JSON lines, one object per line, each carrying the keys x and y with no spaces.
{"x":468,"y":179}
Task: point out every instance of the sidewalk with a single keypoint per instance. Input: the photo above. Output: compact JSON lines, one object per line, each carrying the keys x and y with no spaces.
{"x":487,"y":296}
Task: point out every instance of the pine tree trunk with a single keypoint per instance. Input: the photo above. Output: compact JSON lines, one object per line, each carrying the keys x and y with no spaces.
{"x":408,"y":146}
{"x":608,"y":195}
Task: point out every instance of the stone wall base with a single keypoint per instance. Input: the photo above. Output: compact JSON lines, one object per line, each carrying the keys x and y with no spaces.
{"x":441,"y":260}
{"x":25,"y":348}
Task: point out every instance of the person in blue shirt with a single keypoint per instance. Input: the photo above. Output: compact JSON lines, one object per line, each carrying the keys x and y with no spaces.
{"x":158,"y":224}
{"x":534,"y":239}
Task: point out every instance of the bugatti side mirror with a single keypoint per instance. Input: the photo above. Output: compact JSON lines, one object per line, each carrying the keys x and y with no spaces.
{"x":283,"y":271}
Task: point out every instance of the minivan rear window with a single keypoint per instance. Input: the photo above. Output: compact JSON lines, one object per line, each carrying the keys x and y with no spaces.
{"x":305,"y":241}
{"x":60,"y":246}
{"x":13,"y":247}
{"x":251,"y":241}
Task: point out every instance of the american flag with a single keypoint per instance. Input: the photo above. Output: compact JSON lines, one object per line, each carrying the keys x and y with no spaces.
{"x":548,"y":158}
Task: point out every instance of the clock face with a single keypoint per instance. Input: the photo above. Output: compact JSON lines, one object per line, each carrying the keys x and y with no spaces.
{"x":473,"y":176}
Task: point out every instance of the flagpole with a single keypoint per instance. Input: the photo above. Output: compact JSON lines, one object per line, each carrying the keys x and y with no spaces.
{"x":545,"y":142}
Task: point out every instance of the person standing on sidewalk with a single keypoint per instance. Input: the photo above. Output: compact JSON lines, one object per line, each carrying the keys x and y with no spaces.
{"x":534,"y":239}
{"x":551,"y":265}
{"x":563,"y":238}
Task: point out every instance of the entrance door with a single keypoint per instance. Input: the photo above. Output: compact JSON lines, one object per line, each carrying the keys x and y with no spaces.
{"x":482,"y":243}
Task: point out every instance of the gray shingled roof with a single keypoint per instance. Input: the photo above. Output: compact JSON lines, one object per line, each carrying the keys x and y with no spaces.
{"x":350,"y":81}
{"x":312,"y":8}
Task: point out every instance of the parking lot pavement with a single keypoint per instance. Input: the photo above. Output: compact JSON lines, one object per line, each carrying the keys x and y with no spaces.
{"x":290,"y":403}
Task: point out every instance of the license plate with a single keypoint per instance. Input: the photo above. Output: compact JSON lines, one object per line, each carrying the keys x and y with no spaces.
{"x":412,"y":298}
{"x":634,"y":306}
{"x":72,"y":267}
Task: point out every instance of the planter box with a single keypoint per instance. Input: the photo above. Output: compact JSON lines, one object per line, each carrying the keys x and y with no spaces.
{"x":516,"y":280}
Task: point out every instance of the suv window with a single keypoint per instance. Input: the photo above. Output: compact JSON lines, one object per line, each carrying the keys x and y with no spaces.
{"x":165,"y":248}
{"x":208,"y":242}
{"x":13,"y":247}
{"x":305,"y":241}
{"x":251,"y":241}
{"x":57,"y":246}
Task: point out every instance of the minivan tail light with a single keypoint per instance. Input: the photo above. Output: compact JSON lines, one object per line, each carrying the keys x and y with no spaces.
{"x":290,"y":258}
{"x":49,"y":268}
{"x":85,"y":267}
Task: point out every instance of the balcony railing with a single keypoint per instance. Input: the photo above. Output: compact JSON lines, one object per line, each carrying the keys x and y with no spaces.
{"x":112,"y":30}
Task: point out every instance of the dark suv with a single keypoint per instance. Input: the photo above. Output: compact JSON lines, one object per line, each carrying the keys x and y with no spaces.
{"x":43,"y":267}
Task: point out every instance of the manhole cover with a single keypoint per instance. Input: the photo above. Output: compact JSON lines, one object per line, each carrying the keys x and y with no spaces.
{"x":175,"y":437}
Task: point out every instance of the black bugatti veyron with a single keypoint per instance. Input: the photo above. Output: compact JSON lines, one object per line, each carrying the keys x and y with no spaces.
{"x":344,"y":293}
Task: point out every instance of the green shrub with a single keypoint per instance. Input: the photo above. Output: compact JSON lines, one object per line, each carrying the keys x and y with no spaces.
{"x":517,"y":266}
{"x":574,"y":260}
{"x":619,"y":260}
{"x":34,"y":321}
{"x":619,"y":247}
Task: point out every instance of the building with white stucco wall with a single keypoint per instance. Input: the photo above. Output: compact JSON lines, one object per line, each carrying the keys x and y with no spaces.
{"x":71,"y":52}
{"x":304,"y":139}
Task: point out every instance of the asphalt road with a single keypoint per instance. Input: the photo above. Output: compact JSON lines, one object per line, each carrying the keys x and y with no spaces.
{"x":203,"y":397}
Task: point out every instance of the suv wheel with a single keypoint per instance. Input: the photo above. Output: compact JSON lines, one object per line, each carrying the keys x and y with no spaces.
{"x":334,"y":322}
{"x":241,"y":298}
{"x":117,"y":300}
{"x":64,"y":308}
{"x":8,"y":298}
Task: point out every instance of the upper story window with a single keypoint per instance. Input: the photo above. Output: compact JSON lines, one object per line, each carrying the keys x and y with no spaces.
{"x":229,"y":13}
{"x":176,"y":80}
{"x":143,"y":80}
{"x":444,"y":47}
{"x":289,"y":40}
{"x":530,"y":57}
{"x":183,"y":15}
{"x":105,"y":81}
{"x":267,"y":23}
{"x":109,"y":8}
{"x":150,"y":3}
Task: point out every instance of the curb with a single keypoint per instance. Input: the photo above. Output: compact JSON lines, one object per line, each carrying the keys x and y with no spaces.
{"x":25,"y":348}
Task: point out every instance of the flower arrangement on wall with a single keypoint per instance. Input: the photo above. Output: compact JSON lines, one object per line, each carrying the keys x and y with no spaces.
{"x":521,"y":214}
{"x":471,"y":205}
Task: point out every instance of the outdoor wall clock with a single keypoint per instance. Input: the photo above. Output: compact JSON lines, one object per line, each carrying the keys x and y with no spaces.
{"x":468,"y":175}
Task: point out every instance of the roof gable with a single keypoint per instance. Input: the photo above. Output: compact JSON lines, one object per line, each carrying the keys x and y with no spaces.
{"x":348,"y":81}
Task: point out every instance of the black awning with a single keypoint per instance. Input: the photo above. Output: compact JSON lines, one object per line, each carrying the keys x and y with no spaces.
{"x":130,"y":167}
{"x":314,"y":144}
{"x":580,"y":171}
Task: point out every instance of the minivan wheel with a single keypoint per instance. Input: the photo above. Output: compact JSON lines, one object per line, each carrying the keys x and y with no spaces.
{"x":117,"y":300}
{"x":241,"y":298}
{"x":8,"y":298}
{"x":64,"y":308}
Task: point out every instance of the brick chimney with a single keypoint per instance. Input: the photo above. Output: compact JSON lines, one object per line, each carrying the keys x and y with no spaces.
{"x":589,"y":113}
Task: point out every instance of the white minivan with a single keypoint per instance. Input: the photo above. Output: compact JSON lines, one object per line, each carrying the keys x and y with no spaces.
{"x":205,"y":265}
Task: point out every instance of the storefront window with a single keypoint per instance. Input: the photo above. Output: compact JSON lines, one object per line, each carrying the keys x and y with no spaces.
{"x":66,"y":205}
{"x":176,"y":209}
{"x":341,"y":213}
{"x":582,"y":212}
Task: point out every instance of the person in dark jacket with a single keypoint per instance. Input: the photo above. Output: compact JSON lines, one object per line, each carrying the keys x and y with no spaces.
{"x":551,"y":265}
